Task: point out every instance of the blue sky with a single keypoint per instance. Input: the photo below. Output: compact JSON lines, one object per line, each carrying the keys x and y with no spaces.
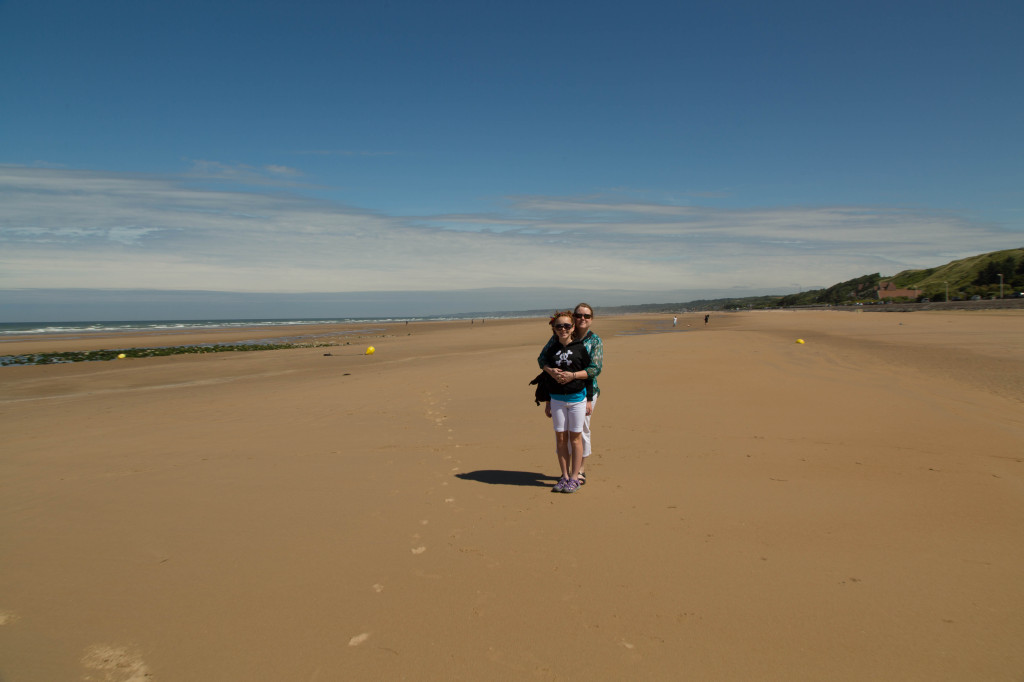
{"x":638,"y":152}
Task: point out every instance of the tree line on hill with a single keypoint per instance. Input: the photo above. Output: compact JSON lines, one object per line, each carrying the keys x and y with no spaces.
{"x":988,"y":275}
{"x":963,"y":279}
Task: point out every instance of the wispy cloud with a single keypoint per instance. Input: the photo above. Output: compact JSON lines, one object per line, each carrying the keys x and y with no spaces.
{"x":64,"y":228}
{"x":344,"y":152}
{"x":240,"y":172}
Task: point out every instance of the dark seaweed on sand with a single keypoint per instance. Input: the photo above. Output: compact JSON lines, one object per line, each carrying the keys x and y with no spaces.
{"x":97,"y":355}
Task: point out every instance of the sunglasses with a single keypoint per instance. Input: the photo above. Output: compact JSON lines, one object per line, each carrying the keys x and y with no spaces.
{"x":582,"y":316}
{"x":562,"y":326}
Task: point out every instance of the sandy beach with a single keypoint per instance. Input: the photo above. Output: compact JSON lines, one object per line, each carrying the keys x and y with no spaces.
{"x":850,"y":508}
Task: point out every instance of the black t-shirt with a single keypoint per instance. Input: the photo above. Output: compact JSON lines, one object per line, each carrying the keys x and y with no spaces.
{"x":571,"y":358}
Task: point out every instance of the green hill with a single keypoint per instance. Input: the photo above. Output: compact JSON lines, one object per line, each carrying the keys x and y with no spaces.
{"x":964,"y":278}
{"x":844,"y":293}
{"x":967,"y":277}
{"x":974,"y":271}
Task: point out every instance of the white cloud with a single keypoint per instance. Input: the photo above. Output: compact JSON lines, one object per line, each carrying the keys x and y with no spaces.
{"x":240,"y":172}
{"x":82,"y":229}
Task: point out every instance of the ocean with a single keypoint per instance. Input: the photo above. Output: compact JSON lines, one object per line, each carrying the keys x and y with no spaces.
{"x":15,"y":331}
{"x":8,"y":329}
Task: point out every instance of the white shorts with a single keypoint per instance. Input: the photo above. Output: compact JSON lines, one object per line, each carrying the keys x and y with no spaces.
{"x":568,"y":416}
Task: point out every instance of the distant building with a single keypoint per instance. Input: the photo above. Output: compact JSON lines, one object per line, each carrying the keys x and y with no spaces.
{"x":889,"y":290}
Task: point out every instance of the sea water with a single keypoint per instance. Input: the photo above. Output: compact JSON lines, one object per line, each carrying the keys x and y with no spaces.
{"x":14,"y":331}
{"x":8,"y":329}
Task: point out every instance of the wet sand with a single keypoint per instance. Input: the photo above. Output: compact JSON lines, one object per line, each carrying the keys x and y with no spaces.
{"x":846,"y":509}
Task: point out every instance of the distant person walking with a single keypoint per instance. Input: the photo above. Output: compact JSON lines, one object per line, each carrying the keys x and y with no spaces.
{"x":706,"y":318}
{"x":675,"y":320}
{"x":583,"y":316}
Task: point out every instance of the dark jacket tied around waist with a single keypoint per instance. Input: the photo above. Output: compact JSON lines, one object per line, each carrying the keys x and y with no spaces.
{"x":543,"y":382}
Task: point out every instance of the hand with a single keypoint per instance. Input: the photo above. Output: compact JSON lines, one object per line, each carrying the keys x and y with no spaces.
{"x":590,"y":407}
{"x":547,"y":409}
{"x":555,"y":374}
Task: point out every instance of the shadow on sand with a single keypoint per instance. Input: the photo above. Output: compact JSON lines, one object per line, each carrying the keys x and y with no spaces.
{"x":498,"y":477}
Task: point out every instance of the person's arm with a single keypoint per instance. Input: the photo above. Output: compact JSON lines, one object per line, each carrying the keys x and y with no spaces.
{"x":590,"y":396}
{"x":596,"y":350}
{"x":584,"y":375}
{"x":559,"y":375}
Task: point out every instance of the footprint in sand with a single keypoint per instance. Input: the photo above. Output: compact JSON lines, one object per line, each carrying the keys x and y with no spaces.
{"x":7,"y":617}
{"x":114,"y":664}
{"x":419,"y":550}
{"x":359,"y":639}
{"x":435,"y":408}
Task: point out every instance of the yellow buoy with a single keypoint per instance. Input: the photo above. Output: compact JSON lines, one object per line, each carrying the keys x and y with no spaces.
{"x":121,"y":356}
{"x":370,"y":350}
{"x":799,"y":340}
